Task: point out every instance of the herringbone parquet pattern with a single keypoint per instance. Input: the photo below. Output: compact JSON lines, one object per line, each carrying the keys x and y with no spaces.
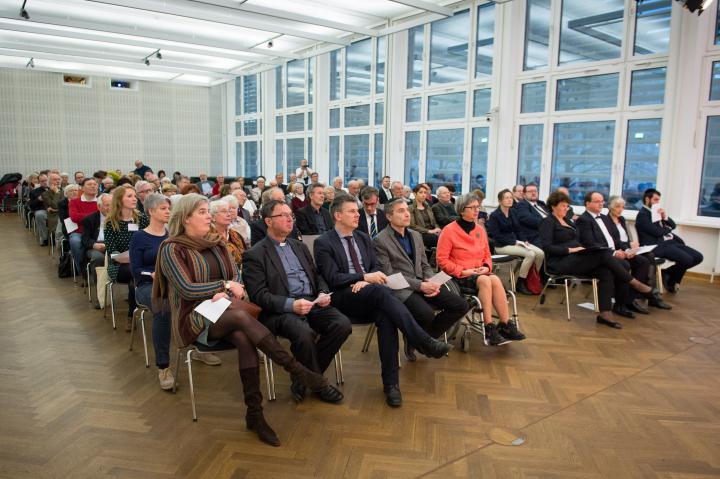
{"x":592,"y":402}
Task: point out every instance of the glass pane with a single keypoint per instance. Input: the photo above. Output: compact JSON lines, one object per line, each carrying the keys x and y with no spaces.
{"x":251,"y":127}
{"x":582,"y":157}
{"x":444,"y":157}
{"x":533,"y":97}
{"x":310,"y":77}
{"x":715,"y":82}
{"x":444,"y":107}
{"x":591,"y":31}
{"x":415,"y":56}
{"x":597,"y":91}
{"x":648,"y":87}
{"x":709,"y":204}
{"x":278,"y":88}
{"x":357,"y":155}
{"x":295,"y":154}
{"x":250,"y":94}
{"x":295,"y":83}
{"x":358,"y":115}
{"x":481,"y":102}
{"x":279,"y":124}
{"x":252,"y":159}
{"x":717,"y":28}
{"x":238,"y":95}
{"x":310,"y":150}
{"x":479,"y":158}
{"x":537,"y":34}
{"x":641,"y":160}
{"x":379,"y":113}
{"x":412,"y":109}
{"x":380,"y":65}
{"x":378,"y":159}
{"x":279,"y":155}
{"x":358,"y":58}
{"x":449,"y":48}
{"x":310,"y":120}
{"x":412,"y":158}
{"x":238,"y":157}
{"x":335,"y":118}
{"x":485,"y":39}
{"x":335,"y":72}
{"x":295,"y":122}
{"x":334,"y":150}
{"x":530,"y":154}
{"x":238,"y":128}
{"x":652,"y":27}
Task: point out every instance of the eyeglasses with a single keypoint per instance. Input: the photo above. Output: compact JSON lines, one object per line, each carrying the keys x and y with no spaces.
{"x":284,"y":216}
{"x":472,"y":207}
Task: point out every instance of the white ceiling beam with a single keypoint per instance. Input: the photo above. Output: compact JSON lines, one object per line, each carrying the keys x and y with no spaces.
{"x":88,"y":31}
{"x":407,"y":25}
{"x":216,"y":14}
{"x":427,"y":6}
{"x":295,"y":17}
{"x":109,"y":63}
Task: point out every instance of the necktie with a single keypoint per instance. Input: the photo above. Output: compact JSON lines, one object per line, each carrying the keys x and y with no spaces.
{"x":373,"y":227}
{"x":540,"y":210}
{"x":353,"y":255}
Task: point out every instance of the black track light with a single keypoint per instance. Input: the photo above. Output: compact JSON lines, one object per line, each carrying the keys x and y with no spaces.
{"x":158,"y":55}
{"x":147,"y":62}
{"x":23,"y":12}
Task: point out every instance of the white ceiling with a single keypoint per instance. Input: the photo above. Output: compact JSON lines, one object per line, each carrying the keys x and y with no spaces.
{"x":201,"y":42}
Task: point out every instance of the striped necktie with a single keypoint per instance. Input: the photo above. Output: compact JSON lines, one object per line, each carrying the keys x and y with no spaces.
{"x":373,"y":227}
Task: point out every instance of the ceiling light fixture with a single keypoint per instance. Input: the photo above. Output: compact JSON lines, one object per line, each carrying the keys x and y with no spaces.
{"x":30,"y":64}
{"x":156,"y":54}
{"x":23,"y":12}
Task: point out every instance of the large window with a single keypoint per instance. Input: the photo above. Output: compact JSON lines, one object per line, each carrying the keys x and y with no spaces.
{"x":380,"y":65}
{"x":412,"y":158}
{"x":446,"y":106}
{"x":591,"y":30}
{"x":481,"y":102}
{"x":647,"y":87}
{"x":295,"y":154}
{"x":537,"y":34}
{"x":334,"y":154}
{"x":295,"y":83}
{"x":335,"y":74}
{"x":597,"y":91}
{"x":358,"y":58}
{"x":642,"y":151}
{"x":582,"y":157}
{"x":709,"y":203}
{"x":444,"y":157}
{"x":248,"y":158}
{"x":357,"y":155}
{"x":715,"y":82}
{"x":530,"y":154}
{"x":415,"y":56}
{"x":485,"y":39}
{"x":652,"y":27}
{"x":358,"y":115}
{"x":479,"y":158}
{"x":250,"y":94}
{"x":378,"y":156}
{"x":449,"y":48}
{"x":533,"y":97}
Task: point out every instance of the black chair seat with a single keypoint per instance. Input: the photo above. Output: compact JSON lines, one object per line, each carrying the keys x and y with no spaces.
{"x":503,"y":258}
{"x":659,"y":261}
{"x":221,"y":346}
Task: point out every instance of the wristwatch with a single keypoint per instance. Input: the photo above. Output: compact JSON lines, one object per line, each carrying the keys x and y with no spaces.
{"x":226,"y":285}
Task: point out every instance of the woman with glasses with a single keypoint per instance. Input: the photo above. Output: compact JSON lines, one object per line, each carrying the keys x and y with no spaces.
{"x":422,"y":218}
{"x":463,"y":252}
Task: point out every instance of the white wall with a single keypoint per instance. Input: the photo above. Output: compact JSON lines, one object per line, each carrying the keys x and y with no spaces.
{"x":46,"y":124}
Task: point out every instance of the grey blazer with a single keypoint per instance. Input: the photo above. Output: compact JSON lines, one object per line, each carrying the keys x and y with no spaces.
{"x":392,"y":259}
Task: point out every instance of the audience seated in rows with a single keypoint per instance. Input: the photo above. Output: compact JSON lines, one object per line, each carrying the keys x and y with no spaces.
{"x":313,"y":219}
{"x":444,"y":209}
{"x":258,"y":228}
{"x":370,"y":222}
{"x":530,"y":213}
{"x":422,"y":218}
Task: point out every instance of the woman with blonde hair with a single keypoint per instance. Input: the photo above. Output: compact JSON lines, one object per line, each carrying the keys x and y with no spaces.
{"x":121,"y":224}
{"x":193,"y":266}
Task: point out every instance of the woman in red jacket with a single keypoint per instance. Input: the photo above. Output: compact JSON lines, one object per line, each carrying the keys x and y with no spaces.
{"x":464,"y":253}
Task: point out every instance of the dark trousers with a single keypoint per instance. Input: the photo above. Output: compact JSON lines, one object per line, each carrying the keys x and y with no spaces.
{"x":612,"y":276}
{"x":124,"y":276}
{"x":430,"y":240}
{"x":452,"y":307}
{"x":642,"y":269}
{"x":376,"y":303}
{"x":332,"y":327}
{"x":684,"y":257}
{"x":160,"y":326}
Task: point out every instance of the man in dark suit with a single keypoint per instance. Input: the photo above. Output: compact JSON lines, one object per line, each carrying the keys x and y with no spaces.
{"x":258,"y":229}
{"x":594,"y":231}
{"x":669,"y":245}
{"x":371,"y":222}
{"x":281,"y":278}
{"x":346,"y":259}
{"x":530,"y":212}
{"x":401,"y":250}
{"x":385,"y":193}
{"x":518,"y":193}
{"x":313,"y":219}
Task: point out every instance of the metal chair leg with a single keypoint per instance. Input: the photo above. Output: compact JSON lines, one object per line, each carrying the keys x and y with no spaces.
{"x":177,"y":369}
{"x":192,"y":386}
{"x":658,"y":279}
{"x":567,"y":298}
{"x":145,"y":348}
{"x":339,"y":378}
{"x":368,"y":338}
{"x":595,"y":295}
{"x":132,"y":328}
{"x":87,"y":279}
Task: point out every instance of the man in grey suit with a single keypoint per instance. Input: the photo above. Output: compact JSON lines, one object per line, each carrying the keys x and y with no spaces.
{"x":401,"y":250}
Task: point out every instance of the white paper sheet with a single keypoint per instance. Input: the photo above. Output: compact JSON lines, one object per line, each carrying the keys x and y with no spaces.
{"x":642,"y":249}
{"x":655,"y":213}
{"x":440,"y":278}
{"x":397,"y":281}
{"x":321,"y":296}
{"x":213,"y":310}
{"x":70,"y":225}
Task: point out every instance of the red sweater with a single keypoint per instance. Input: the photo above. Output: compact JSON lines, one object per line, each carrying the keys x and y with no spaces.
{"x":80,"y":209}
{"x":457,"y":250}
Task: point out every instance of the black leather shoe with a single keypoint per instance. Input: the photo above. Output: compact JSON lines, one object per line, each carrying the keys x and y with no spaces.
{"x":393,"y":397}
{"x":434,"y":348}
{"x":607,"y":322}
{"x":522,"y":288}
{"x":637,"y":306}
{"x":624,"y":312}
{"x":657,"y":302}
{"x":330,"y":394}
{"x":297,"y":390}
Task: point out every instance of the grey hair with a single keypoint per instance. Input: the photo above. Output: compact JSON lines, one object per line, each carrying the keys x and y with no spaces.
{"x":231,"y":200}
{"x":183,"y":208}
{"x":615,"y":200}
{"x":267,"y":194}
{"x":463,"y":201}
{"x":392,"y":185}
{"x":154,"y":200}
{"x":140,"y":184}
{"x":70,"y":187}
{"x":441,"y":189}
{"x":368,"y":192}
{"x":100,"y":197}
{"x":215,"y":205}
{"x":392,"y":204}
{"x":313,"y":187}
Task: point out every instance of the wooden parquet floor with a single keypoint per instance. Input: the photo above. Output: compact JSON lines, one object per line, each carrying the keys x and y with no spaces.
{"x":591,"y":402}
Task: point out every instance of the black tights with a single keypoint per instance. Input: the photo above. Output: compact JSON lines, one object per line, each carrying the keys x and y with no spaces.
{"x":242,"y":331}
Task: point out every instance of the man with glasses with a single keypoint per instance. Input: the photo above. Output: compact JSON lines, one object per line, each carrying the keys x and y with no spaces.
{"x":313,"y":219}
{"x":143,"y":189}
{"x":281,"y":278}
{"x":371,"y":222}
{"x":258,"y":229}
{"x":530,"y":212}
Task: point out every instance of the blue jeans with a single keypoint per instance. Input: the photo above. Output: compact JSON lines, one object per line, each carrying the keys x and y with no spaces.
{"x":77,"y":250}
{"x":160,"y":326}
